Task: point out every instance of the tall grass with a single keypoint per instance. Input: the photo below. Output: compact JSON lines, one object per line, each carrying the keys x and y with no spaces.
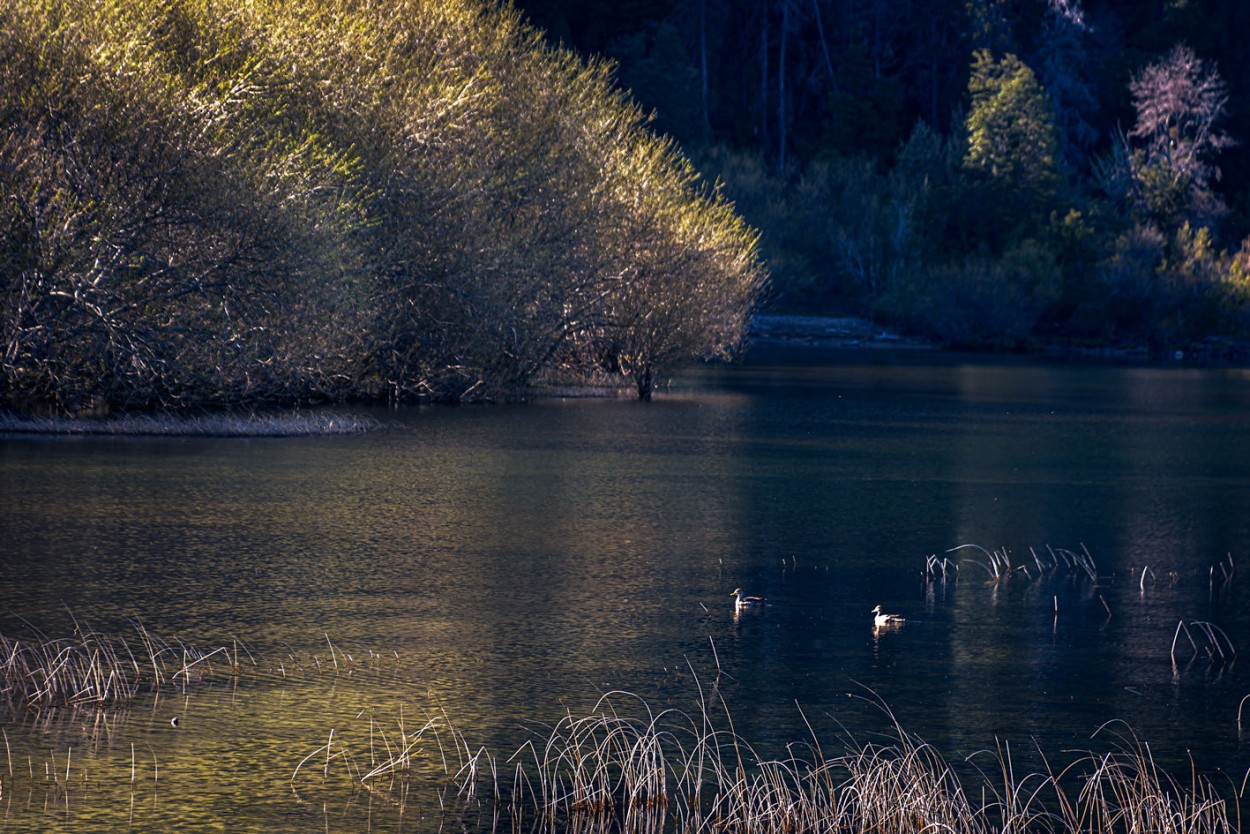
{"x":94,"y":668}
{"x":91,"y":668}
{"x":623,"y":767}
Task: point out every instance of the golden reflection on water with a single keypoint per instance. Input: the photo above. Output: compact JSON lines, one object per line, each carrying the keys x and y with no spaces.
{"x":227,"y":763}
{"x":509,"y":564}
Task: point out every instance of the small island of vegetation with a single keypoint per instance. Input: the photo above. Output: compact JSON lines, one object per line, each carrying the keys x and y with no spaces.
{"x":219,"y":203}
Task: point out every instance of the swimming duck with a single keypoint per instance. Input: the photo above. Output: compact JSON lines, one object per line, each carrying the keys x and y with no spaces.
{"x":880,"y":619}
{"x":746,"y":602}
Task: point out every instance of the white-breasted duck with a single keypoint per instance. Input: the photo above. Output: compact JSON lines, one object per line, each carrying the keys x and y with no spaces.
{"x":879,"y":619}
{"x":746,"y":602}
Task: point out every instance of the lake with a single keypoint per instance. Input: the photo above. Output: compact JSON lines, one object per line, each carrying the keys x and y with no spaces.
{"x":499,"y":567}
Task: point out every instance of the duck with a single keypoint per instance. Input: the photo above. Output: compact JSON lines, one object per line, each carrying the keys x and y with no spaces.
{"x":746,"y":602}
{"x":880,"y":619}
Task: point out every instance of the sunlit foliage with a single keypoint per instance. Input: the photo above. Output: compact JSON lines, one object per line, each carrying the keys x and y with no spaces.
{"x":213,"y":202}
{"x":1011,"y":134}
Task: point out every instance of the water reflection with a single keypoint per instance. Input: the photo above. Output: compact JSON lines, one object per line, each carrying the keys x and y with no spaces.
{"x":515,"y":562}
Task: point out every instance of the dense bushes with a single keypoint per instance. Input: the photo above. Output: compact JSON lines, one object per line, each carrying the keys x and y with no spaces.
{"x":221,"y":202}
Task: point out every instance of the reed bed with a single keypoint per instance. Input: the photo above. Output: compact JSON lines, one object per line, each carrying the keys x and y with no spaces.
{"x":94,"y":668}
{"x":91,"y":668}
{"x":1213,"y":643}
{"x":623,"y":768}
{"x":1206,"y":640}
{"x":998,"y":564}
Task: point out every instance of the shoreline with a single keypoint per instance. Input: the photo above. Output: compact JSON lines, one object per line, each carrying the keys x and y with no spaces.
{"x":799,"y":332}
{"x":277,"y":424}
{"x":850,"y":333}
{"x":828,"y":332}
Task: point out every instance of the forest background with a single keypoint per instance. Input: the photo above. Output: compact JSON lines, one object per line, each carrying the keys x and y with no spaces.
{"x":995,"y":173}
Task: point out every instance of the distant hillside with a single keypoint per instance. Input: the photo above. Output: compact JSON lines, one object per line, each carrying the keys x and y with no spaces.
{"x":993,"y":174}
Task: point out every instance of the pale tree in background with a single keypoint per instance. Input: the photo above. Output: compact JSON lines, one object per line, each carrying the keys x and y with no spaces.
{"x":1179,"y":101}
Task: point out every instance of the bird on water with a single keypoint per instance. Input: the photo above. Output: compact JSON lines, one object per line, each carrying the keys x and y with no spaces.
{"x":746,"y":602}
{"x":879,"y":619}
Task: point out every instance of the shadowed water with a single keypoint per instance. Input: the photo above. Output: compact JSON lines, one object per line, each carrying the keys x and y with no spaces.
{"x":507,"y":563}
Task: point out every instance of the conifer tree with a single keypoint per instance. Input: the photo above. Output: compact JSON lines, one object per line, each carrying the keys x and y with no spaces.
{"x":1011,"y":156}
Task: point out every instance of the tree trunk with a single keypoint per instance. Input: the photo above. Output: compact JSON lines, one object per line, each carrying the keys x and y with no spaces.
{"x":764,"y":109}
{"x":781,"y":87}
{"x":824,"y":45}
{"x":645,"y":382}
{"x":706,"y":124}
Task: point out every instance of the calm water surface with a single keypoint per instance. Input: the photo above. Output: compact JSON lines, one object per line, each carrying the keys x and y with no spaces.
{"x":504,"y":564}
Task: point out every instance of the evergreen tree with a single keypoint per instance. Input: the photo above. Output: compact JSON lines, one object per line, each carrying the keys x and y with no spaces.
{"x":1011,"y":155}
{"x":1064,"y":67}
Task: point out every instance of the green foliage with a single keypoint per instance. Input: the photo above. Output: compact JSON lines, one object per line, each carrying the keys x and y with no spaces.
{"x":865,"y":114}
{"x":1127,"y":281}
{"x":929,"y":173}
{"x":982,"y":302}
{"x":220,"y":201}
{"x":656,"y":67}
{"x":1233,"y":292}
{"x":1011,"y":134}
{"x":838,"y":233}
{"x":1011,"y":153}
{"x":1171,"y":291}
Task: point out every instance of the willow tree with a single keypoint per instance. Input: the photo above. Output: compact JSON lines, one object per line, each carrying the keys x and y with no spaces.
{"x":527,"y":220}
{"x":689,"y":274}
{"x":165,"y":223}
{"x":236,"y":201}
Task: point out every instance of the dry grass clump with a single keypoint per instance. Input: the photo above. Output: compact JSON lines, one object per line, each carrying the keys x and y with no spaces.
{"x":1127,"y":791}
{"x":93,"y":668}
{"x":624,"y":768}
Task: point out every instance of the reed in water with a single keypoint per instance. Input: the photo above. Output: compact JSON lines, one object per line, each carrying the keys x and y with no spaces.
{"x":624,"y":767}
{"x":94,"y":668}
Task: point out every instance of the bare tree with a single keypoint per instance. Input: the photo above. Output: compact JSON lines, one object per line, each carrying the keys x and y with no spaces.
{"x":1179,"y":100}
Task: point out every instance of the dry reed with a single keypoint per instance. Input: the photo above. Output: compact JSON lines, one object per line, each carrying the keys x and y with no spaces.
{"x":998,"y":564}
{"x":622,"y":767}
{"x":93,"y":668}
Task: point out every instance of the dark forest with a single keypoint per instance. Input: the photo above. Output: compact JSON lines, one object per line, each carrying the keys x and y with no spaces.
{"x":989,"y":172}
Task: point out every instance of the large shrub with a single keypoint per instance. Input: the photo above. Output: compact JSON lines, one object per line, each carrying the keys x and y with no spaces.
{"x":219,"y":201}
